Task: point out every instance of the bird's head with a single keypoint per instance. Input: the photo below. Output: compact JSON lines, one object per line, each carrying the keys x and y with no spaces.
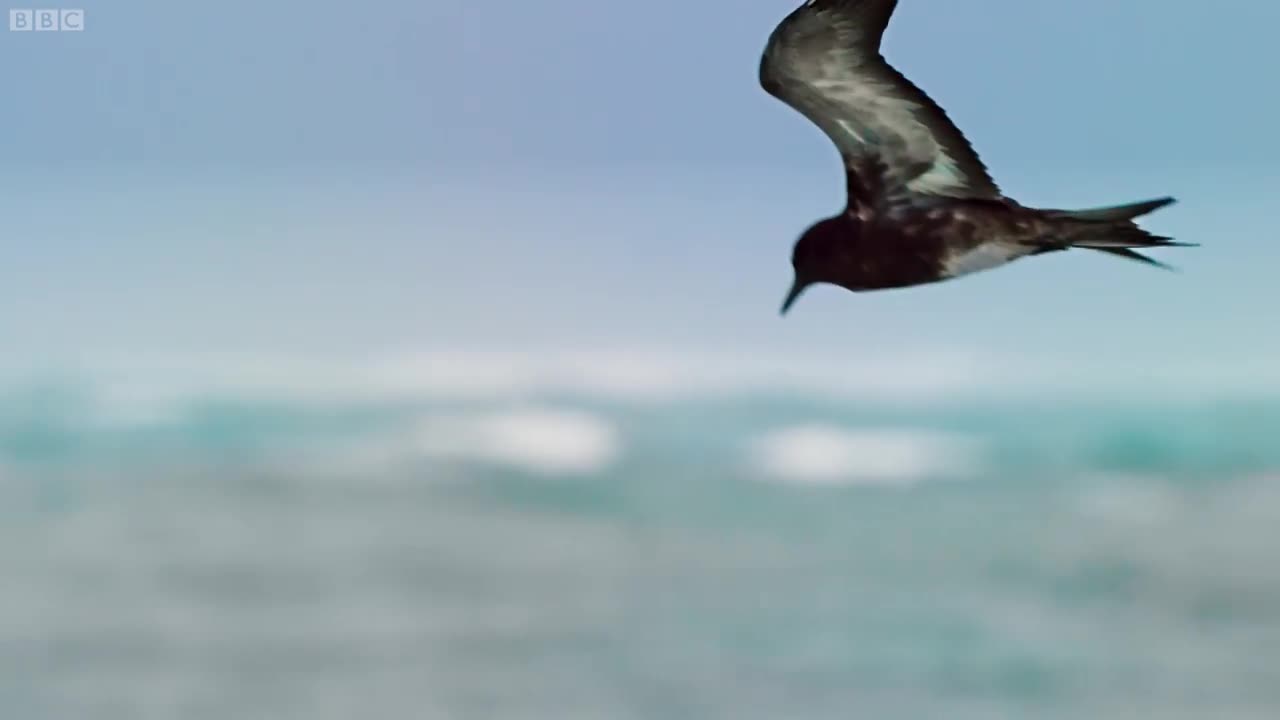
{"x":817,"y":256}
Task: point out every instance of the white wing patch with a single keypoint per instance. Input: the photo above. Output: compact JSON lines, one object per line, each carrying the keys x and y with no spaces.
{"x":888,"y":123}
{"x":944,"y":176}
{"x":983,"y":257}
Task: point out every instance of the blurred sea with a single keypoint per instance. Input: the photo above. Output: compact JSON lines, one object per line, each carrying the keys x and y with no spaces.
{"x":222,"y":550}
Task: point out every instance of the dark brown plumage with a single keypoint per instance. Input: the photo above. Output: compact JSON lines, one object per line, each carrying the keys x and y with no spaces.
{"x":922,"y":206}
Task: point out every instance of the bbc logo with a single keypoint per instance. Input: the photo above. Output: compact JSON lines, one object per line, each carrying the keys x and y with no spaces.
{"x":56,"y":20}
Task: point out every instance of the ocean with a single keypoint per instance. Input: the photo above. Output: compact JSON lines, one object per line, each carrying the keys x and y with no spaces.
{"x":224,"y":551}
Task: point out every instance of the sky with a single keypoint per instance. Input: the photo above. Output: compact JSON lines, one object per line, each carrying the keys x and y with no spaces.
{"x":400,"y":175}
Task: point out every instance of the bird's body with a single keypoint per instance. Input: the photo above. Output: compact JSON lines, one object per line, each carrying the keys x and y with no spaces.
{"x":922,"y":207}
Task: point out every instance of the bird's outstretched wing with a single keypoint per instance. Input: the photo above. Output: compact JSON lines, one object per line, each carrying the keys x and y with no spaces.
{"x":824,"y":60}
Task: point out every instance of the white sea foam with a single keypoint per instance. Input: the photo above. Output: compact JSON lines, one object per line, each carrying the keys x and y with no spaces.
{"x":828,"y":455}
{"x":1130,"y":500}
{"x":139,"y":388}
{"x":139,"y":402}
{"x":542,"y":440}
{"x":480,"y":374}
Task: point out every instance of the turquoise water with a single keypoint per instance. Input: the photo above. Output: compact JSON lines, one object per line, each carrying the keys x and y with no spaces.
{"x":225,"y":555}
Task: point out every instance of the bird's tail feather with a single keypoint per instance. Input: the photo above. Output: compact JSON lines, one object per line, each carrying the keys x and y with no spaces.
{"x":1129,"y":254}
{"x":1120,"y":235}
{"x":1112,"y":230}
{"x":1116,"y":213}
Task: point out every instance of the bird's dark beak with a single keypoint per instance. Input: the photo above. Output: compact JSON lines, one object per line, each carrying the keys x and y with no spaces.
{"x":797,"y":288}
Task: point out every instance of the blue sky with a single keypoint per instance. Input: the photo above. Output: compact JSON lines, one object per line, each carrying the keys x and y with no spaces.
{"x":333,"y":177}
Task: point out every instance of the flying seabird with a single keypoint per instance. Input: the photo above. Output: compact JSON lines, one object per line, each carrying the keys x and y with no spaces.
{"x":922,"y":206}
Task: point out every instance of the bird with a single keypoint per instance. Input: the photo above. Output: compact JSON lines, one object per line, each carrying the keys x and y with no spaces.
{"x":921,"y":206}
